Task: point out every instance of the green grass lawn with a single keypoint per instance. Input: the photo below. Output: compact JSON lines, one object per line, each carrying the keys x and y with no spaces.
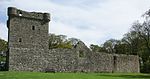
{"x":40,"y":75}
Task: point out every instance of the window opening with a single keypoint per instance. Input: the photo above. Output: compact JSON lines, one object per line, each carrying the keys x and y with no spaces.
{"x":20,"y":13}
{"x":20,"y":40}
{"x":33,"y":27}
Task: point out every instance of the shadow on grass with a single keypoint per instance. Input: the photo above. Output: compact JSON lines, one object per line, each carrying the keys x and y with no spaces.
{"x":129,"y":76}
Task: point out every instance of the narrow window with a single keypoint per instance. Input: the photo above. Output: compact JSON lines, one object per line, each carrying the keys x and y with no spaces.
{"x":20,"y":40}
{"x":39,"y":31}
{"x":33,"y":27}
{"x":20,"y":13}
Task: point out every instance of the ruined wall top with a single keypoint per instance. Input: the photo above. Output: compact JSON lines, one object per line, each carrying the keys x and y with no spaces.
{"x":12,"y":11}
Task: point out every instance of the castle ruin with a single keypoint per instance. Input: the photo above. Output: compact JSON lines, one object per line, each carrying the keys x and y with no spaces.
{"x":28,"y":49}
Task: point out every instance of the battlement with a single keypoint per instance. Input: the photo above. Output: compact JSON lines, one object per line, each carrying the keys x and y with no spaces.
{"x":12,"y":11}
{"x":27,"y":29}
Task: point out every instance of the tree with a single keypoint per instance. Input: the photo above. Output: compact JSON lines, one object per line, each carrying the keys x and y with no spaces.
{"x":3,"y":48}
{"x":109,"y":45}
{"x":143,"y":31}
{"x":96,"y":48}
{"x":3,"y":45}
{"x":59,"y":41}
{"x":73,"y":41}
{"x":131,"y":39}
{"x":121,"y":48}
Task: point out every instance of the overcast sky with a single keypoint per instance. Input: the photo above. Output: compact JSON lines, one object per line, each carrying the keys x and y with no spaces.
{"x":92,"y":21}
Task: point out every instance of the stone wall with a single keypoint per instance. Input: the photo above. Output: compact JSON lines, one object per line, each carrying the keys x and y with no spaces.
{"x":28,"y":49}
{"x":27,"y":29}
{"x":101,"y":62}
{"x":126,"y":63}
{"x":68,"y":60}
{"x":27,"y":39}
{"x":24,"y":59}
{"x":62,"y":60}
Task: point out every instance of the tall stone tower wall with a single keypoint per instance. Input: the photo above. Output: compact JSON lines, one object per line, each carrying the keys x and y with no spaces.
{"x":28,"y":29}
{"x":28,"y":39}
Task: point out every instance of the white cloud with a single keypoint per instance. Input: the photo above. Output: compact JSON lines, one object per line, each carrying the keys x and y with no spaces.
{"x":3,"y":31}
{"x":91,"y":21}
{"x":89,"y":35}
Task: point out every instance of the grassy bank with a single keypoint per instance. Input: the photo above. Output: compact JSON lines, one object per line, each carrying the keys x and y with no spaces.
{"x":39,"y":75}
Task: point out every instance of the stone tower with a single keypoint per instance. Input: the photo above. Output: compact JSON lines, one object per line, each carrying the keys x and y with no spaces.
{"x":28,"y":39}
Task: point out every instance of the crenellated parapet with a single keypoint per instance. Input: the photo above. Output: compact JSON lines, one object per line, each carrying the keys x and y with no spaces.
{"x":12,"y":11}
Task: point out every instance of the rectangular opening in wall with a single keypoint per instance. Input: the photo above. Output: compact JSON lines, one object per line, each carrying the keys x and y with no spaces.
{"x":33,"y":27}
{"x":20,"y":40}
{"x":20,"y":13}
{"x":115,"y":58}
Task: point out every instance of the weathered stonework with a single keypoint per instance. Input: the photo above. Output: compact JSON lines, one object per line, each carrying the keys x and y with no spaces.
{"x":28,"y":49}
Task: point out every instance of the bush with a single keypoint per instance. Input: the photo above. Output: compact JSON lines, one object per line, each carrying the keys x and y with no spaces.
{"x":145,"y":68}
